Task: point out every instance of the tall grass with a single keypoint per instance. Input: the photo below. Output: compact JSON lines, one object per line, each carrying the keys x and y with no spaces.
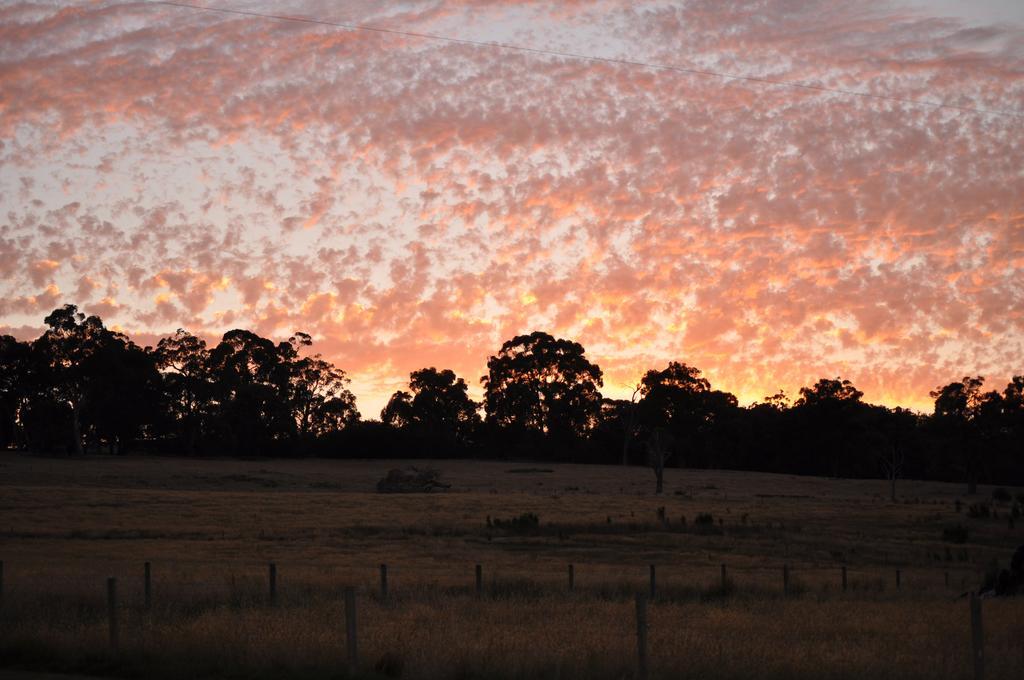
{"x":515,"y":631}
{"x":210,"y":528}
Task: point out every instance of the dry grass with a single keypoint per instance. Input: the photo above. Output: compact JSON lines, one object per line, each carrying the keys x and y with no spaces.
{"x":210,"y":527}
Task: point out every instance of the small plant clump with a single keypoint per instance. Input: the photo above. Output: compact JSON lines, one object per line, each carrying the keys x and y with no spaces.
{"x":411,"y":480}
{"x":1001,"y":495}
{"x":524,"y":523}
{"x":704,"y":519}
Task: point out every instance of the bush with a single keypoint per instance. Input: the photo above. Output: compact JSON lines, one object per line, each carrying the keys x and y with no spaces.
{"x":525,"y":523}
{"x":704,"y":519}
{"x":411,"y":480}
{"x":1001,"y":495}
{"x":955,"y":534}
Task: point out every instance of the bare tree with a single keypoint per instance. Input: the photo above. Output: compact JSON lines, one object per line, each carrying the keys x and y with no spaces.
{"x":892,"y":459}
{"x":659,"y":452}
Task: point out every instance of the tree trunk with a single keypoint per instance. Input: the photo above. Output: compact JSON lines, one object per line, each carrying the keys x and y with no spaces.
{"x":972,"y":467}
{"x":892,"y":480}
{"x":659,"y":474}
{"x":76,"y":429}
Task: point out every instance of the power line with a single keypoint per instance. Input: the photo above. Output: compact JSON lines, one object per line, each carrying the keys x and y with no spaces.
{"x":587,"y":57}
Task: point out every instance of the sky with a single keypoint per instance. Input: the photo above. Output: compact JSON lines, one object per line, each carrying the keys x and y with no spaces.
{"x":413,"y":202}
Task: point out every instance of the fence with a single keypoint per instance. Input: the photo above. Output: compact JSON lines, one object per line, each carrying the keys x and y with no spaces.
{"x":642,"y":600}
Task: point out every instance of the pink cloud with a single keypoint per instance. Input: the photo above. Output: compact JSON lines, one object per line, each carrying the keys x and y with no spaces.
{"x":453,"y":196}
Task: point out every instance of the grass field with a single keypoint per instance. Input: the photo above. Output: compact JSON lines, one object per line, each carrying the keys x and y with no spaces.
{"x":209,"y":529}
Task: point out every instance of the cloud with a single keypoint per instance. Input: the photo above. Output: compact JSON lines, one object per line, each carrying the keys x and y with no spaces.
{"x":413,"y":202}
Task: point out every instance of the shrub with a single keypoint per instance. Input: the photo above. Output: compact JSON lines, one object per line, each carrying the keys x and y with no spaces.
{"x":525,"y":523}
{"x":955,"y":534}
{"x":411,"y":480}
{"x":1001,"y":495}
{"x":704,"y":519}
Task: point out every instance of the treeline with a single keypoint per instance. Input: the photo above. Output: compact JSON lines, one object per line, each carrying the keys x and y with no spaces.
{"x":82,"y":387}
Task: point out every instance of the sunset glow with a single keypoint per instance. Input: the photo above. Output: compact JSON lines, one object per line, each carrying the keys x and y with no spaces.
{"x":413,"y":202}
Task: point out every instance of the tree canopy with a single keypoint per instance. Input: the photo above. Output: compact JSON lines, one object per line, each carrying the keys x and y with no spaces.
{"x":540,"y":384}
{"x":81,"y":387}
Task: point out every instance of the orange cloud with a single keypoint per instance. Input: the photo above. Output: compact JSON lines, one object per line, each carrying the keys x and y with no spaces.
{"x":454,"y":196}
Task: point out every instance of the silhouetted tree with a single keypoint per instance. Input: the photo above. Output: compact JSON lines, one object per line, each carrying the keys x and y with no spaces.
{"x":610,"y":439}
{"x":673,"y":399}
{"x":266,"y":393}
{"x":123,"y":398}
{"x":69,"y":373}
{"x":15,"y":384}
{"x":319,"y":394}
{"x":957,"y":406}
{"x":1013,"y":408}
{"x":398,"y":411}
{"x":766,"y":434}
{"x":832,"y":418}
{"x":829,"y":392}
{"x":251,"y":392}
{"x":81,"y":386}
{"x":441,"y":405}
{"x":542,"y":385}
{"x":88,"y":383}
{"x":437,"y":413}
{"x":188,"y":384}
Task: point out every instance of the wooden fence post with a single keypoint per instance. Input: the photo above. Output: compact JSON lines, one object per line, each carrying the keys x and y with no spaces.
{"x":977,"y":639}
{"x":785,"y":579}
{"x":897,"y":579}
{"x":479,"y":581}
{"x":724,"y":581}
{"x":572,"y":578}
{"x":641,"y":637}
{"x":654,"y":588}
{"x":272,"y":577}
{"x":350,"y":629}
{"x":383,"y":582}
{"x":147,"y":589}
{"x":947,"y":579}
{"x":112,"y":613}
{"x":844,"y":578}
